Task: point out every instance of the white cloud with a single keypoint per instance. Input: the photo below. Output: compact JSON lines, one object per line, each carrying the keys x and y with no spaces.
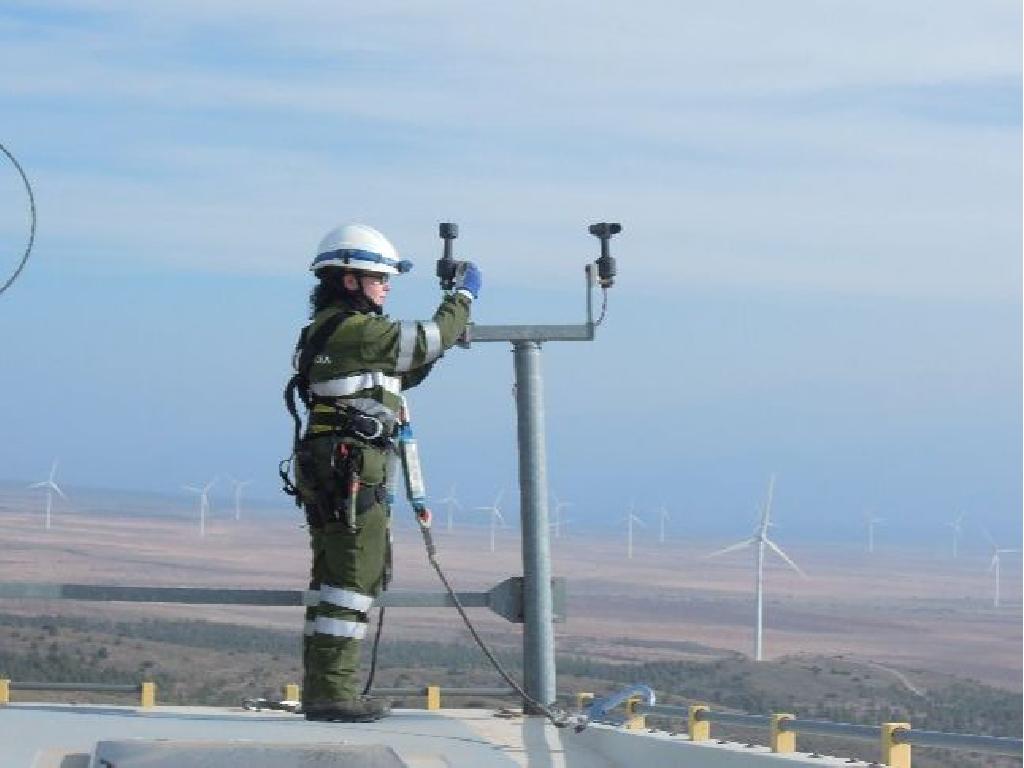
{"x":504,"y":113}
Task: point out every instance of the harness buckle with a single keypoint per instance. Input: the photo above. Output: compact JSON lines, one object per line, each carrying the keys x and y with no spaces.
{"x":361,"y":421}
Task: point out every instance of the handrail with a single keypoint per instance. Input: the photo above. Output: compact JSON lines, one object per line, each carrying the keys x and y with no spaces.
{"x":993,"y":745}
{"x":146,"y":689}
{"x":88,"y":687}
{"x":423,"y":690}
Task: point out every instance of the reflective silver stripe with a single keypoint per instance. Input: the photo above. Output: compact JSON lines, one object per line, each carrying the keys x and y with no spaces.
{"x":349,"y":385}
{"x":433,"y":336}
{"x":345,"y":598}
{"x":406,"y":347}
{"x":308,"y":628}
{"x":325,"y":625}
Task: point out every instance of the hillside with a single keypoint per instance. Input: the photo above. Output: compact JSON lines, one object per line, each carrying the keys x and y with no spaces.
{"x":211,"y":663}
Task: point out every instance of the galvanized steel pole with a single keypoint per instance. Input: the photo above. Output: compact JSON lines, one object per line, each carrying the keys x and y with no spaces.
{"x":538,"y":635}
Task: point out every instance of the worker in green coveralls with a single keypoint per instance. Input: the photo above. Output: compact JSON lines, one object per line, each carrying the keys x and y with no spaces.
{"x":357,"y":363}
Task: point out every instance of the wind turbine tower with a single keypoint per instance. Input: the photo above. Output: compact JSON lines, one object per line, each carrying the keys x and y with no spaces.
{"x":662,"y":517}
{"x":50,"y":485}
{"x":204,"y":503}
{"x":239,"y":485}
{"x":871,"y":521}
{"x":993,"y":565}
{"x":557,"y":514}
{"x":496,"y":516}
{"x":759,"y":541}
{"x":957,"y":526}
{"x":450,"y":504}
{"x":630,"y":519}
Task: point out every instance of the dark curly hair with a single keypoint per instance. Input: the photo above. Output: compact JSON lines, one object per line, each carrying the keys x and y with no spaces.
{"x":330,"y":291}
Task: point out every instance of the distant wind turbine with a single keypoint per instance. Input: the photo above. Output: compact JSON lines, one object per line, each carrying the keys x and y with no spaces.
{"x":50,"y":485}
{"x":630,"y":519}
{"x":496,"y":516}
{"x":451,"y":503}
{"x":957,"y":526}
{"x":662,"y":517}
{"x":871,"y":521}
{"x":994,"y":564}
{"x":759,"y":541}
{"x":557,"y":514}
{"x":204,"y":502}
{"x":239,"y":485}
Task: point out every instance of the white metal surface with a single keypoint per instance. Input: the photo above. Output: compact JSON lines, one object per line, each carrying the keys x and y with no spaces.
{"x":45,"y":735}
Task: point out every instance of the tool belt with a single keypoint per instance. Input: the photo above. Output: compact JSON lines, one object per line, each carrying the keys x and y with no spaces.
{"x":331,"y":488}
{"x":343,"y":421}
{"x":321,"y":513}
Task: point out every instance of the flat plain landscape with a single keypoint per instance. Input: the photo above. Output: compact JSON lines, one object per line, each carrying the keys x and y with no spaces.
{"x":907,"y":611}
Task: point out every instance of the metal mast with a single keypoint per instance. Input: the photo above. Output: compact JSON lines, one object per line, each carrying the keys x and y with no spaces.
{"x":526,"y":340}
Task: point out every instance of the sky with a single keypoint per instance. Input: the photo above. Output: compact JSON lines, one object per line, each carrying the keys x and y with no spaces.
{"x":820,"y":263}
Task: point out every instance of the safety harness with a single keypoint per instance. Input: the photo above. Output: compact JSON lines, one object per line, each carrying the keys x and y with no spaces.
{"x":308,"y":347}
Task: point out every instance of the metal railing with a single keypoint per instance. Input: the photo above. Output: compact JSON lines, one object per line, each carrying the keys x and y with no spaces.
{"x":895,"y":739}
{"x":504,"y":599}
{"x":145,"y":690}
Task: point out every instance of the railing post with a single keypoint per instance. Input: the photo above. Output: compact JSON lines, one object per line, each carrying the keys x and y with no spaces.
{"x":699,"y":730}
{"x":895,"y":754}
{"x":782,"y":741}
{"x":5,"y":691}
{"x":433,"y":697}
{"x":147,"y":695}
{"x":291,"y":692}
{"x":634,"y":720}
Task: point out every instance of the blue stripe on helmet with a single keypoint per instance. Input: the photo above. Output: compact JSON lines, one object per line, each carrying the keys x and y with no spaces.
{"x":356,"y":254}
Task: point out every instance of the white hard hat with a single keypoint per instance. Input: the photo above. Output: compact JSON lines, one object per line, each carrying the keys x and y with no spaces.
{"x":359,"y":247}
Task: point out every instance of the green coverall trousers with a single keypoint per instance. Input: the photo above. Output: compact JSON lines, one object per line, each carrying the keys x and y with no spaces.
{"x":348,"y":570}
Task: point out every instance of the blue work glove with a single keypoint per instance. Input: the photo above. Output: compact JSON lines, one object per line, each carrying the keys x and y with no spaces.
{"x":470,"y":281}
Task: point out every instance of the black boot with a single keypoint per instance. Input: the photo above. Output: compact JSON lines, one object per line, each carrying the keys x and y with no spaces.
{"x":363,"y":709}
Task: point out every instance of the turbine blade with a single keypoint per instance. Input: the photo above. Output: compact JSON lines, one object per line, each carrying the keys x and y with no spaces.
{"x":58,"y":490}
{"x":775,"y":548}
{"x":40,"y":484}
{"x":731,"y":548}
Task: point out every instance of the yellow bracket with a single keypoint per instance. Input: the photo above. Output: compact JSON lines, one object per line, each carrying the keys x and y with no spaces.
{"x":147,"y":695}
{"x":5,"y":691}
{"x":583,"y":700}
{"x":895,"y":755}
{"x":699,"y":730}
{"x":634,"y":720}
{"x":433,"y":697}
{"x":782,"y":741}
{"x":291,"y":692}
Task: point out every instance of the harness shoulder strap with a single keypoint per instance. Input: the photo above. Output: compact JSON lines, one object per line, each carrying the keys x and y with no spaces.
{"x":310,"y":348}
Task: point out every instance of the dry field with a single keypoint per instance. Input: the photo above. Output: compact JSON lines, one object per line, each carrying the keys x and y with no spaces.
{"x":908,"y":610}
